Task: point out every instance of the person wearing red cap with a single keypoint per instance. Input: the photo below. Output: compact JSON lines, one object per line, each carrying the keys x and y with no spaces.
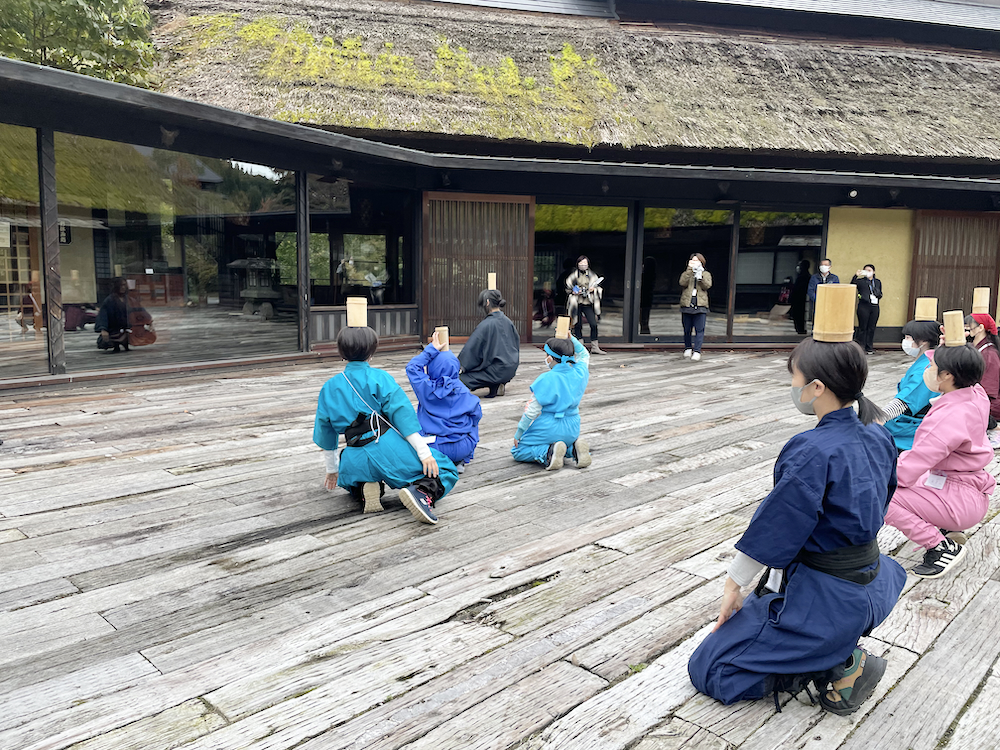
{"x":982,"y":332}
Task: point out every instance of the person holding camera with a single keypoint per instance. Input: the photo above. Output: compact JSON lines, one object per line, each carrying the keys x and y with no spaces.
{"x":695,"y":283}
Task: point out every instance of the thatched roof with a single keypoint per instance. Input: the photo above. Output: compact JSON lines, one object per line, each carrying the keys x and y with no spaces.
{"x":422,"y":67}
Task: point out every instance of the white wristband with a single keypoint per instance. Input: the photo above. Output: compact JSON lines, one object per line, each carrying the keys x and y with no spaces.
{"x":419,"y":445}
{"x":332,"y":459}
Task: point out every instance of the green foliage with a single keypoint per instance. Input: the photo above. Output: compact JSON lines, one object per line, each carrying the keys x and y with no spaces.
{"x":550,"y":218}
{"x":102,"y":38}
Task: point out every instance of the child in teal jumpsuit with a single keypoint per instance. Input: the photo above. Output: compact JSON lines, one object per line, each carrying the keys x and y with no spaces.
{"x":549,"y":431}
{"x":384,"y":445}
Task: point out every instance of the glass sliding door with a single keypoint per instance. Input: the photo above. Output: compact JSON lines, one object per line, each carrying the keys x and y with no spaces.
{"x":23,"y":336}
{"x":778,"y":252}
{"x":670,"y":237}
{"x":564,"y":233}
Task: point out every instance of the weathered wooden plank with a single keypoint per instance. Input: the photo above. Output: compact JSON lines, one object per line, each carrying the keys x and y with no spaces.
{"x":921,"y":614}
{"x":980,"y":724}
{"x":522,"y":709}
{"x":619,"y":716}
{"x":176,"y":726}
{"x":16,"y":649}
{"x":936,"y":681}
{"x":677,"y":735}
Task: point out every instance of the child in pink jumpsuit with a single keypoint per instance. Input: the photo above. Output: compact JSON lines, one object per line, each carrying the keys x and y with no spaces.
{"x":943,"y":484}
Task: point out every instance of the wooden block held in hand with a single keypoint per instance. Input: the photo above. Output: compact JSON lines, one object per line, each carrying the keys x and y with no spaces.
{"x":562,"y":327}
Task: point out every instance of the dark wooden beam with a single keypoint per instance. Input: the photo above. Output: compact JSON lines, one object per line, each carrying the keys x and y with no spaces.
{"x":302,"y":253}
{"x":49,"y":211}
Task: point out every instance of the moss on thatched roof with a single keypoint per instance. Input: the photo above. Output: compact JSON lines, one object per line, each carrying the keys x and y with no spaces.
{"x":419,"y":67}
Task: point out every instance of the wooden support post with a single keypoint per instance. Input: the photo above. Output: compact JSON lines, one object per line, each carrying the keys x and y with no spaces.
{"x":302,"y":253}
{"x":49,"y":210}
{"x":734,"y":252}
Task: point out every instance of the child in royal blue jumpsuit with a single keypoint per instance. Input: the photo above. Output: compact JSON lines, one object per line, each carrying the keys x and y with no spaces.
{"x":549,"y":431}
{"x":832,"y":485}
{"x":447,"y":410}
{"x":385,"y":450}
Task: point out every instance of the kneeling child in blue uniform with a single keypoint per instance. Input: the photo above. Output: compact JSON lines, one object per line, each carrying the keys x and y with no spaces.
{"x":384,"y":445}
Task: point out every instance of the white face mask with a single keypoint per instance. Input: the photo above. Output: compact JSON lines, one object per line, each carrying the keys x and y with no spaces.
{"x":549,"y":362}
{"x":910,"y":347}
{"x":584,"y":266}
{"x":870,"y":274}
{"x":824,"y":269}
{"x":806,"y":407}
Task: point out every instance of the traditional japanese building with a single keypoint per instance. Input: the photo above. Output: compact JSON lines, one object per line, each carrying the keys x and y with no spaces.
{"x":297,"y":154}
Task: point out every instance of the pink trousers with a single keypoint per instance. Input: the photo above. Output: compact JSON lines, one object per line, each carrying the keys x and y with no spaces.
{"x":920,"y":511}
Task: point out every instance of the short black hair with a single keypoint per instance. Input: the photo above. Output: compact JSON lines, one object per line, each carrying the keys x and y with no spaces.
{"x":827,"y":260}
{"x":868,"y":265}
{"x":490,"y":298}
{"x":963,"y":362}
{"x":923,"y":332}
{"x":563,"y":347}
{"x":357,"y":344}
{"x":842,"y":367}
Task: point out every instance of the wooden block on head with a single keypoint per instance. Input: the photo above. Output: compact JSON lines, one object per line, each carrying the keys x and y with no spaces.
{"x":926,"y":308}
{"x":954,"y":328}
{"x":491,"y":281}
{"x":981,"y":300}
{"x":442,"y":332}
{"x":562,"y":327}
{"x":835,"y":306}
{"x":357,"y":312}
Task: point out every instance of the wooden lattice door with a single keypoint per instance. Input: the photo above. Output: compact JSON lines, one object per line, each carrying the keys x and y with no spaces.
{"x":466,"y":237}
{"x":954,"y":253}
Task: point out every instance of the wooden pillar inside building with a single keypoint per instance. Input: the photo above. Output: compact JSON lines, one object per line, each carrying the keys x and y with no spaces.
{"x":302,"y":253}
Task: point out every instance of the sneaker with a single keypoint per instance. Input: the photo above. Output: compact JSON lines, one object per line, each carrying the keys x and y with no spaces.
{"x":371,"y":493}
{"x":460,"y":467}
{"x":581,"y":452}
{"x":688,"y":353}
{"x":861,"y":676}
{"x":696,"y":357}
{"x":956,"y":536}
{"x":557,"y":454}
{"x":940,"y":559}
{"x":419,"y":503}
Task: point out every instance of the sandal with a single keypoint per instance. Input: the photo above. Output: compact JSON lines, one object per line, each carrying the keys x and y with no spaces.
{"x":866,"y":669}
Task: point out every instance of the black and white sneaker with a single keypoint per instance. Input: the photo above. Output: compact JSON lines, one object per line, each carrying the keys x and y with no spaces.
{"x":581,"y":452}
{"x":940,"y":559}
{"x":557,"y":455}
{"x":958,"y":536}
{"x":419,"y":503}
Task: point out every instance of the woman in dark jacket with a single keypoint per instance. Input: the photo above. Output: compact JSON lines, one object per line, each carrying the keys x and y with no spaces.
{"x":869,"y":294}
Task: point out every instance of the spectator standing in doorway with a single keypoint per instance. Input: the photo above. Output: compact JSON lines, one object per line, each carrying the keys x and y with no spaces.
{"x":797,"y":299}
{"x":869,"y":294}
{"x":825,"y":276}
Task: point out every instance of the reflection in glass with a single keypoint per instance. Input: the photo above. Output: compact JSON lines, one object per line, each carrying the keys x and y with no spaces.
{"x":776,"y":249}
{"x":359,"y":246}
{"x":564,"y":233}
{"x":203,"y":248}
{"x":670,"y":237}
{"x":23,"y":346}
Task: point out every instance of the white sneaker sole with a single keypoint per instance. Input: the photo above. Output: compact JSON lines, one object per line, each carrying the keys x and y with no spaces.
{"x":558,"y":457}
{"x":581,"y":451}
{"x":373,"y":497}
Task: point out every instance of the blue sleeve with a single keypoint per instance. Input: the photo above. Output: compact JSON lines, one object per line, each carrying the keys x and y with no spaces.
{"x":811,"y":294}
{"x":787,"y":517}
{"x":912,"y":390}
{"x":580,"y":354}
{"x":324,"y":433}
{"x":416,"y":374}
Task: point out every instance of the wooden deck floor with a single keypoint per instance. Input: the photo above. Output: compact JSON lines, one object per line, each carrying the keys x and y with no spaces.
{"x":174,"y":576}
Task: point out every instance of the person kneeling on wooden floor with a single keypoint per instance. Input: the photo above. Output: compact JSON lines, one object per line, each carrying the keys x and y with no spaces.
{"x":827,"y":584}
{"x":549,"y":431}
{"x":944,"y":487}
{"x":384,"y":445}
{"x":447,"y":410}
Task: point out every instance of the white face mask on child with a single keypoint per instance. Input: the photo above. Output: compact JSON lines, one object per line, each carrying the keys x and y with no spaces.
{"x":910,"y":347}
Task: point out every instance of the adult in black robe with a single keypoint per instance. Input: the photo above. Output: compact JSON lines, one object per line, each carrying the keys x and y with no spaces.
{"x":490,"y":357}
{"x":797,"y":299}
{"x":112,"y":319}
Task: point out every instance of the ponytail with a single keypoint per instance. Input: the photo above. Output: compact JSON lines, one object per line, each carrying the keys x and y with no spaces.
{"x":869,"y":411}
